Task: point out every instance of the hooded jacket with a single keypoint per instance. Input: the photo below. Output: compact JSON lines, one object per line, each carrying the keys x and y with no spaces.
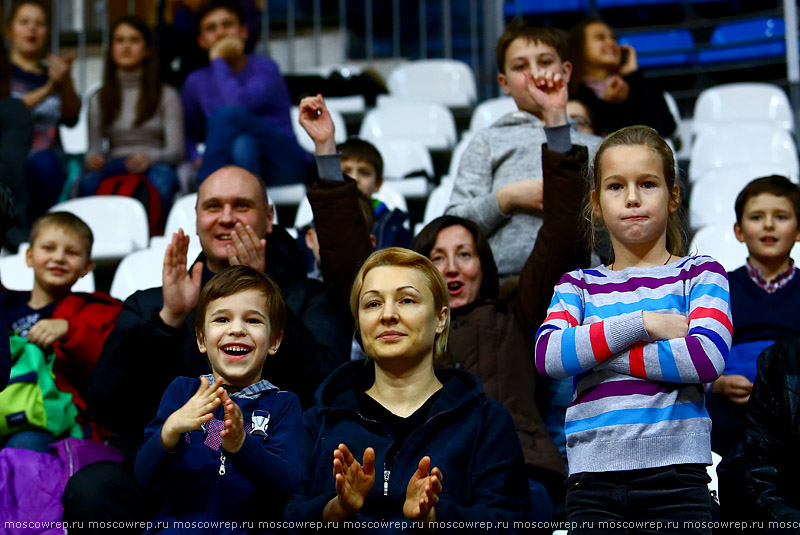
{"x":468,"y":436}
{"x":142,"y":355}
{"x":509,"y":151}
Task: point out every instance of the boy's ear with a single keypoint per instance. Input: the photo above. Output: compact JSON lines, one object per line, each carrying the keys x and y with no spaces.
{"x":737,"y":231}
{"x":201,"y":342}
{"x":87,"y":267}
{"x":503,"y":81}
{"x":566,"y":71}
{"x":29,"y":256}
{"x":275,"y":343}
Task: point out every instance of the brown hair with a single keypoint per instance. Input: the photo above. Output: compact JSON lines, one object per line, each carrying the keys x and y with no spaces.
{"x":777,"y":185}
{"x":399,"y":257}
{"x":68,"y":222}
{"x":234,"y":280}
{"x":552,"y":37}
{"x":576,"y":51}
{"x":150,"y":86}
{"x":359,"y":149}
{"x":648,"y":138}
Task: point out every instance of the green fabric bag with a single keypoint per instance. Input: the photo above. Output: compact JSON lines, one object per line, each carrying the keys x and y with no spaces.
{"x":31,"y":401}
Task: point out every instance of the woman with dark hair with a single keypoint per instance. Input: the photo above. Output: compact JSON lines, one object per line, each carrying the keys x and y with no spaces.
{"x":607,"y":79}
{"x":44,"y":84}
{"x":140,"y":118}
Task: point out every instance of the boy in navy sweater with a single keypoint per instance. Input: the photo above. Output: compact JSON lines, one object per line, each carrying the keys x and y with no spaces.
{"x":223,"y":447}
{"x":764,"y":293}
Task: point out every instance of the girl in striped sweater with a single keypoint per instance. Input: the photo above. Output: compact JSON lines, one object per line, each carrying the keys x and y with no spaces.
{"x":640,"y":336}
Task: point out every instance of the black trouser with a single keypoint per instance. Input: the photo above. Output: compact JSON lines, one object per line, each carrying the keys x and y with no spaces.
{"x":106,"y":492}
{"x":635,"y":501}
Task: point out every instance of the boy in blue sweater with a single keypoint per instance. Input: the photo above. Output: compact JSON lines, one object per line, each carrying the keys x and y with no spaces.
{"x":223,"y":447}
{"x":764,"y":293}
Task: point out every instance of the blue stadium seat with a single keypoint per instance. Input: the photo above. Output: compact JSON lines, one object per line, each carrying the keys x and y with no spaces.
{"x":724,"y":35}
{"x":661,"y":49}
{"x":603,"y":4}
{"x":514,"y":8}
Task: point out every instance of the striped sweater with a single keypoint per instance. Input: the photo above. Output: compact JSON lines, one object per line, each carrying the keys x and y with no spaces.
{"x":638,"y":403}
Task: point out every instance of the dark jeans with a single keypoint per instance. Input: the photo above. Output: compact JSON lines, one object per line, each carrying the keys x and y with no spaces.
{"x":107,"y":492}
{"x":46,"y":176}
{"x":613,"y":502}
{"x":234,"y":136}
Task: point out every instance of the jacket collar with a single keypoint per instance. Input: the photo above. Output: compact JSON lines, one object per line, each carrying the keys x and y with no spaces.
{"x":338,"y":391}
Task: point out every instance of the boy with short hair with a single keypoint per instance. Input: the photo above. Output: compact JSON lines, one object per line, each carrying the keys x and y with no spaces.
{"x":223,"y":447}
{"x":75,"y":325}
{"x":239,"y":105}
{"x":499,"y":181}
{"x":764,"y":293}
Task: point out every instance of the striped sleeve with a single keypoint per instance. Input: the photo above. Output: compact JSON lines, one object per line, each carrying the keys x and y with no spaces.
{"x":699,"y":357}
{"x":565,"y":348}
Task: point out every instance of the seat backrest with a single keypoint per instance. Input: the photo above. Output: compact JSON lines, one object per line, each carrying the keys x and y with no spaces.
{"x":75,"y":139}
{"x":714,"y":195}
{"x":388,"y":195}
{"x":488,"y":111}
{"x":748,"y":30}
{"x":305,"y":141}
{"x":402,"y":157}
{"x":431,"y":124}
{"x":745,"y":101}
{"x":438,"y":201}
{"x":16,"y":275}
{"x":739,"y":144}
{"x":119,"y":224}
{"x":719,"y":242}
{"x":182,"y":215}
{"x":444,"y":81}
{"x":458,"y":152}
{"x":143,"y":269}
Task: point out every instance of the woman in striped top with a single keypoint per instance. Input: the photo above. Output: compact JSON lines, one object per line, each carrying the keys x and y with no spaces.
{"x":640,"y":336}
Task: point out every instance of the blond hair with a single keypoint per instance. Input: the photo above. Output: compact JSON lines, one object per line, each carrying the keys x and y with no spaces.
{"x":399,"y":257}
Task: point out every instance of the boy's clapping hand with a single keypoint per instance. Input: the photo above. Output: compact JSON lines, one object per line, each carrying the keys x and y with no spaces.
{"x":194,"y":413}
{"x":317,"y":122}
{"x":233,"y":435}
{"x":45,"y":332}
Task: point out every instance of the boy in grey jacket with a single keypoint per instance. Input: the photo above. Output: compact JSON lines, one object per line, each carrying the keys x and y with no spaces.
{"x":499,"y":181}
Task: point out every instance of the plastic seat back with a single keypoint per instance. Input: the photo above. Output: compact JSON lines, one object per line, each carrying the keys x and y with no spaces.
{"x":443,"y":81}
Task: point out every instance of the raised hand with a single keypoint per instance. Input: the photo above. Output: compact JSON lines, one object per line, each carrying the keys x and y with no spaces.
{"x":317,"y":122}
{"x":95,"y":162}
{"x":247,"y":248}
{"x":631,"y":63}
{"x":58,"y":68}
{"x":665,"y":326}
{"x":353,"y":483}
{"x":233,"y":435}
{"x":194,"y":413}
{"x":422,"y":493}
{"x":228,"y":48}
{"x":549,"y":91}
{"x":47,"y":331}
{"x":180,"y":290}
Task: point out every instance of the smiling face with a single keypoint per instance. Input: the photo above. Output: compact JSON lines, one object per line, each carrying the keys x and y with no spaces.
{"x":228,"y":196}
{"x":237,"y":337}
{"x":396,"y":314}
{"x":58,"y":258}
{"x":456,"y":257}
{"x":633,"y":198}
{"x":769,"y":227}
{"x":601,"y":49}
{"x":29,"y":30}
{"x":128,"y":48}
{"x":524,"y":55}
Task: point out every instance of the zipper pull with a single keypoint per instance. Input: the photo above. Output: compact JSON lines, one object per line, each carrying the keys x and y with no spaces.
{"x":222,"y":464}
{"x":386,"y":474}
